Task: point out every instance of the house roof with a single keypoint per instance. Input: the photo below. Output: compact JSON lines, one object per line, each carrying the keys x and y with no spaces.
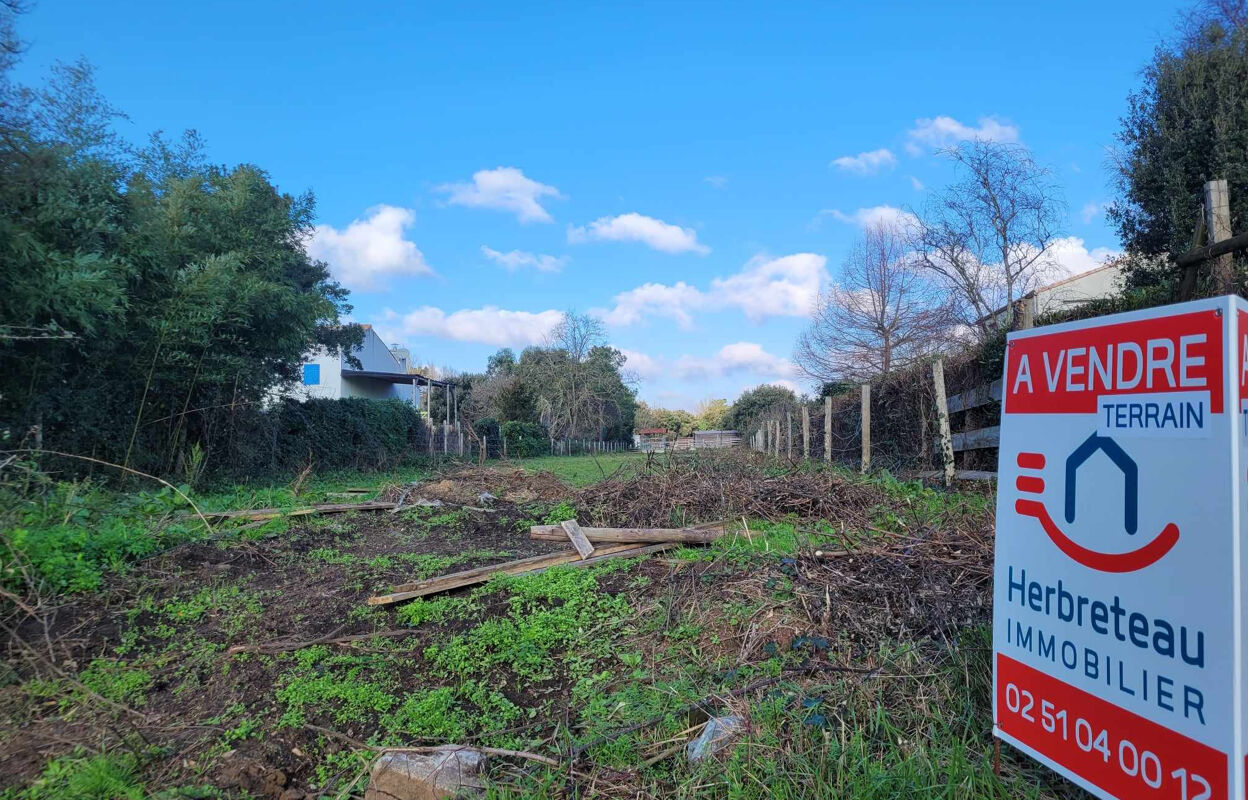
{"x":395,"y":377}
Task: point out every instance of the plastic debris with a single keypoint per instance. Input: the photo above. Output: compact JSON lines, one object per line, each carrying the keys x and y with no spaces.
{"x":715,"y":735}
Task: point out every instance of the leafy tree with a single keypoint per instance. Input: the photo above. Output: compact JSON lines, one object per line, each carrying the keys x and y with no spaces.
{"x":712,"y":415}
{"x":1187,"y":124}
{"x":144,"y":296}
{"x":576,"y":382}
{"x":501,"y":363}
{"x":754,"y":403}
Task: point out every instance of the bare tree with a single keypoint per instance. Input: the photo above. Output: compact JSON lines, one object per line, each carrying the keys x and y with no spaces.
{"x":988,"y":236}
{"x":577,"y":334}
{"x":882,"y":314}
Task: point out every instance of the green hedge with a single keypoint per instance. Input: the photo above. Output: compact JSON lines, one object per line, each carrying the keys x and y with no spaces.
{"x":526,"y":439}
{"x":353,"y":433}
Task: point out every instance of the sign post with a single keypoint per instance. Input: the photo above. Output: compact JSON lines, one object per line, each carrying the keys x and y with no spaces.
{"x":1118,"y":625}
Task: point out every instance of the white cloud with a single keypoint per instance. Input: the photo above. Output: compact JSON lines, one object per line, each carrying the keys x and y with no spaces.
{"x":642,"y":365}
{"x":716,"y":181}
{"x":867,"y":163}
{"x":1070,"y":256}
{"x":945,"y":131}
{"x":787,"y":384}
{"x":765,"y":287}
{"x":369,"y":248}
{"x":488,"y":325}
{"x":504,"y":189}
{"x":917,"y":184}
{"x":654,"y":299}
{"x":875,"y":215}
{"x":1091,"y":211}
{"x":518,"y":259}
{"x":634,"y":227}
{"x":773,"y":287}
{"x":736,"y":358}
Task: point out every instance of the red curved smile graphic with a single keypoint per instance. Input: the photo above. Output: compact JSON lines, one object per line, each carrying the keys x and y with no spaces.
{"x":1129,"y":561}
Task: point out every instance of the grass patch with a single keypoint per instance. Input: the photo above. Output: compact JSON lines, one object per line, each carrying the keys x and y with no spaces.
{"x":581,"y":471}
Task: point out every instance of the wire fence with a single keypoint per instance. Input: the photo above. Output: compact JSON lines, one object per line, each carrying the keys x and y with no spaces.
{"x":903,"y":425}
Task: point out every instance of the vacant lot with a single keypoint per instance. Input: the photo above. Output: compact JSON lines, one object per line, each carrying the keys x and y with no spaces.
{"x":245,"y":662}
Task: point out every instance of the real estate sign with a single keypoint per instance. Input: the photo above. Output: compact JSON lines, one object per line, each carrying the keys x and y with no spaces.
{"x":1118,"y":623}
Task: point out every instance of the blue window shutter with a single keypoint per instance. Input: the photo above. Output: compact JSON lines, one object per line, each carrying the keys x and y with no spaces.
{"x":311,"y":374}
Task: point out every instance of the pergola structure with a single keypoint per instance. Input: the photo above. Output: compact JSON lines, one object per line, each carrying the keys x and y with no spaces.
{"x":416,"y":380}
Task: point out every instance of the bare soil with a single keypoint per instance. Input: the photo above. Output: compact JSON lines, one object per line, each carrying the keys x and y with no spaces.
{"x":894,"y":578}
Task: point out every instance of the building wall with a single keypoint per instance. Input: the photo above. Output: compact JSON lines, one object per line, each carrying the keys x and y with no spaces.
{"x":1079,"y":289}
{"x":374,"y":356}
{"x":330,"y":385}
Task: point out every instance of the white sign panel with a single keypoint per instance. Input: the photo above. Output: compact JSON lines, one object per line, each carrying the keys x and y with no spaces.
{"x":1117,"y":625}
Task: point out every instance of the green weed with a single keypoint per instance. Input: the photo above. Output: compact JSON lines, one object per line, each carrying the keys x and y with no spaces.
{"x":117,"y":681}
{"x":82,"y":777}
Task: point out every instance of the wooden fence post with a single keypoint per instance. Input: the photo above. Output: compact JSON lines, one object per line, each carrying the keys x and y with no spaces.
{"x":1028,"y":307}
{"x":866,"y":428}
{"x":805,"y":432}
{"x":775,"y":438}
{"x":788,"y":423}
{"x":942,"y":419}
{"x":1218,"y":220}
{"x":827,"y":429}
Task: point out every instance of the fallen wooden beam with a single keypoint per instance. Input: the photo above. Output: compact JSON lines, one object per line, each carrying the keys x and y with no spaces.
{"x":555,"y":533}
{"x":524,"y":566}
{"x":962,"y":475}
{"x":274,"y":513}
{"x":577,"y":537}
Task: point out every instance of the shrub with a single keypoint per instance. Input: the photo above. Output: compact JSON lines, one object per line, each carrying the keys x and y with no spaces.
{"x":526,"y":439}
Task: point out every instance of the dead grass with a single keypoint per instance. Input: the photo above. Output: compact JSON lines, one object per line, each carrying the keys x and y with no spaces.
{"x":253,"y":666}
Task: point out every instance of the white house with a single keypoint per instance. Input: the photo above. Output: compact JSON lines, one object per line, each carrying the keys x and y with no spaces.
{"x":1103,"y":281}
{"x":384,"y":374}
{"x":1091,"y":285}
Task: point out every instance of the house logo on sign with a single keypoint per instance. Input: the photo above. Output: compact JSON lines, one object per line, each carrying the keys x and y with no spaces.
{"x":1129,"y":561}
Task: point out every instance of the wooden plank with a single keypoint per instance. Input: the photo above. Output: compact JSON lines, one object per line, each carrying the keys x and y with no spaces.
{"x":962,"y":474}
{"x":524,"y":566}
{"x":942,"y":420}
{"x":977,"y":439}
{"x":971,"y":398}
{"x":274,"y":513}
{"x":555,"y":533}
{"x":574,"y":534}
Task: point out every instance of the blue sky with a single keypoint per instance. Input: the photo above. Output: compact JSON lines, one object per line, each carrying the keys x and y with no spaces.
{"x":480,"y":168}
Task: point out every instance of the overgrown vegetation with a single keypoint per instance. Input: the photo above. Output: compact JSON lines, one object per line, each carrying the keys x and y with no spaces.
{"x":239,"y":640}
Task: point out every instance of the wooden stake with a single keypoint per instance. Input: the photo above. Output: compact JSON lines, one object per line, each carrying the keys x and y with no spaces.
{"x":577,"y":537}
{"x":942,"y":419}
{"x":805,"y":432}
{"x":1218,"y":220}
{"x":866,"y":427}
{"x":1027,"y":317}
{"x":524,"y":566}
{"x":788,"y":424}
{"x":827,"y":429}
